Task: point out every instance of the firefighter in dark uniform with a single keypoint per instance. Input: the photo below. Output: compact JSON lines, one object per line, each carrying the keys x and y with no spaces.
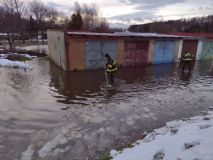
{"x":187,"y":61}
{"x":111,"y":68}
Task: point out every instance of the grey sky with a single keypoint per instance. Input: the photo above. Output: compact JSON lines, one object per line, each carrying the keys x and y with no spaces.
{"x":127,"y":12}
{"x":151,"y":4}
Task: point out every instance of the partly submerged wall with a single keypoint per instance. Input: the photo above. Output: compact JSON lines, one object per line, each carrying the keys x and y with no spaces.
{"x":76,"y":51}
{"x":89,"y":53}
{"x":199,"y":50}
{"x":207,"y":50}
{"x":120,"y":52}
{"x":163,"y":51}
{"x":177,"y":50}
{"x":135,"y":52}
{"x":56,"y":46}
{"x":75,"y":54}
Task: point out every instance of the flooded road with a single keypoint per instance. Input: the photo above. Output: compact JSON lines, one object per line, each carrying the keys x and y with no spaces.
{"x":49,"y":114}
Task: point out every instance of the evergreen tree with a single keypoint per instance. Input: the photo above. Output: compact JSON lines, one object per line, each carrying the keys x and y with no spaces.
{"x":76,"y":22}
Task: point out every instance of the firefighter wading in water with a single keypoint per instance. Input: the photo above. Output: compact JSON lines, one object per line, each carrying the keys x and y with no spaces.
{"x":111,"y":68}
{"x":187,"y":61}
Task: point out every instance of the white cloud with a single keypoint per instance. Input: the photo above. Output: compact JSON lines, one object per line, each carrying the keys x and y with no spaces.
{"x":169,"y":10}
{"x":129,"y":12}
{"x":151,"y":4}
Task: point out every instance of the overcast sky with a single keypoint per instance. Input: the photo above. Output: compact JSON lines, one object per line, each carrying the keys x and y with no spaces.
{"x":126,"y":12}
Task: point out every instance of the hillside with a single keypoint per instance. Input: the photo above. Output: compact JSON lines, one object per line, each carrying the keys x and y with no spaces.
{"x":198,"y":24}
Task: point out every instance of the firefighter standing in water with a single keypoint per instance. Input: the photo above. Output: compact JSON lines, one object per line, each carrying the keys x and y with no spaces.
{"x":111,"y":68}
{"x":187,"y":61}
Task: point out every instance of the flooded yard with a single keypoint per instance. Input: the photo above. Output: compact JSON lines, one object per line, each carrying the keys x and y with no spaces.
{"x":41,"y":48}
{"x":49,"y":114}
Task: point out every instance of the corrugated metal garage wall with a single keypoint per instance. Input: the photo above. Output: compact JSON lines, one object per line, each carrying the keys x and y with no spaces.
{"x":76,"y":54}
{"x":207,"y":50}
{"x":120,"y":52}
{"x":136,"y":53}
{"x":93,"y":58}
{"x":190,"y":46}
{"x":163,"y":52}
{"x":95,"y":50}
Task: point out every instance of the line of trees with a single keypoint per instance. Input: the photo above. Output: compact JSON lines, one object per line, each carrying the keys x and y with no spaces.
{"x":23,"y":19}
{"x":198,"y":24}
{"x":12,"y":23}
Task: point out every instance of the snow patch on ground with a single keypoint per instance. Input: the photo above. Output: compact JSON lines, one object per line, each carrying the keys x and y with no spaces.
{"x":4,"y":56}
{"x":27,"y":155}
{"x":27,"y":56}
{"x":13,"y":64}
{"x":190,"y":139}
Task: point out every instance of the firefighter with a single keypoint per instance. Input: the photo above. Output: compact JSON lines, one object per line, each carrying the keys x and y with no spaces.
{"x":111,"y":68}
{"x":187,"y":61}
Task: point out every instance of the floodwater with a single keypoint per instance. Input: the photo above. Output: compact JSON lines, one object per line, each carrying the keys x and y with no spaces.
{"x":49,"y":114}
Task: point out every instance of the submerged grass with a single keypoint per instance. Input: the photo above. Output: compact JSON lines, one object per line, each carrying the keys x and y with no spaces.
{"x":17,"y":58}
{"x":106,"y":157}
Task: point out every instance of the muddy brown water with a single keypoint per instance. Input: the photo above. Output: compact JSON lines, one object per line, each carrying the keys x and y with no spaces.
{"x":49,"y":114}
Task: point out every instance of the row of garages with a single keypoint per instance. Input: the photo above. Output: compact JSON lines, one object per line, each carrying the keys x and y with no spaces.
{"x":85,"y":51}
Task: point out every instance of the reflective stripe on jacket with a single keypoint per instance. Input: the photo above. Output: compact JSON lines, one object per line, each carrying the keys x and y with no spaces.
{"x":112,"y":67}
{"x":187,"y":57}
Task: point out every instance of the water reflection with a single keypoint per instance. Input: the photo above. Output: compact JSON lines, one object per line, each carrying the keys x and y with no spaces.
{"x":185,"y":77}
{"x":75,"y":87}
{"x":163,"y":70}
{"x":19,"y":77}
{"x":85,"y":87}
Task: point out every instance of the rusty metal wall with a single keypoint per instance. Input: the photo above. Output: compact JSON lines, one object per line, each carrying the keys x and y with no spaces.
{"x":56,"y":46}
{"x":136,"y":53}
{"x":76,"y":54}
{"x":190,"y":46}
{"x":151,"y":50}
{"x":120,"y":52}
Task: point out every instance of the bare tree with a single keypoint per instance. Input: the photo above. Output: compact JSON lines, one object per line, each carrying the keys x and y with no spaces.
{"x":2,"y":15}
{"x":17,"y":6}
{"x":52,"y":16}
{"x":14,"y":11}
{"x":103,"y":25}
{"x":39,"y":12}
{"x":91,"y":15}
